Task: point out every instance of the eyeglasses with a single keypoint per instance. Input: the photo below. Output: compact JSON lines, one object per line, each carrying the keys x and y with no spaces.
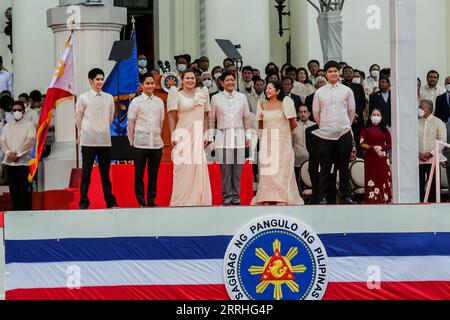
{"x":17,"y":110}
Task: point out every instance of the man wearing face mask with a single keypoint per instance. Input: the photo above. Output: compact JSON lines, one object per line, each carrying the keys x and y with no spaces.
{"x":360,"y":100}
{"x":181,"y":64}
{"x":142,"y":62}
{"x":430,"y":130}
{"x":17,"y":142}
{"x":443,"y":103}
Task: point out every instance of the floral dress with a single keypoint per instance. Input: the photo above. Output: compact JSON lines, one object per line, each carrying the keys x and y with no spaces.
{"x":378,"y":179}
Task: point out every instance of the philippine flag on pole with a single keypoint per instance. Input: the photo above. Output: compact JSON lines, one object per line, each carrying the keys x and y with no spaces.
{"x":61,"y":88}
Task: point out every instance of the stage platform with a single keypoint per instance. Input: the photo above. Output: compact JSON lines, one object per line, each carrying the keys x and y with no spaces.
{"x":374,"y":252}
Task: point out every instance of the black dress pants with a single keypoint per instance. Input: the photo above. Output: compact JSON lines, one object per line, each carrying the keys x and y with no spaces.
{"x":19,"y":187}
{"x":424,"y":175}
{"x":104,"y":161}
{"x":331,"y":152}
{"x":151,"y":159}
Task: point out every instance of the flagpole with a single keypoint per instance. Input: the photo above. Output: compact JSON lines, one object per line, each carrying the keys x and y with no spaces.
{"x":77,"y":149}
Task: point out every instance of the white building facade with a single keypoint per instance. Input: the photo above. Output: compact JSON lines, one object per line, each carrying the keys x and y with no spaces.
{"x":172,"y":27}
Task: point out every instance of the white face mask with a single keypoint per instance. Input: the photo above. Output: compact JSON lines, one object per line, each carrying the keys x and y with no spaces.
{"x":207,"y":83}
{"x":142,"y":64}
{"x":182,"y":67}
{"x":421,"y":113}
{"x":18,"y":115}
{"x":375,"y":74}
{"x":448,"y":88}
{"x":375,"y":119}
{"x":356,"y":80}
{"x":217,"y":75}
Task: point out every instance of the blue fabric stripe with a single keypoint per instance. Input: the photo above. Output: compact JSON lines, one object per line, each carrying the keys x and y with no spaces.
{"x":188,"y":248}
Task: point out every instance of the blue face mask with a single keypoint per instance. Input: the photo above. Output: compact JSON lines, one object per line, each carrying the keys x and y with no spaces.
{"x":142,"y":64}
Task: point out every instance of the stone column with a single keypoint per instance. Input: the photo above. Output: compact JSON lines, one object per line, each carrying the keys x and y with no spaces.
{"x":243,"y":22}
{"x":405,"y":169}
{"x":32,"y":45}
{"x":299,"y":33}
{"x":96,"y":30}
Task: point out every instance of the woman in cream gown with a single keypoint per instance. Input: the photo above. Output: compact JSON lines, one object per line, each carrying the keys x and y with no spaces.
{"x":277,"y":119}
{"x":188,"y":110}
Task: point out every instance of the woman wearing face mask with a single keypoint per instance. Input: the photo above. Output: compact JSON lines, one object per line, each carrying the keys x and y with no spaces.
{"x":17,"y":142}
{"x":371,"y":83}
{"x":207,"y":82}
{"x":376,"y":143}
{"x":277,"y":119}
{"x":216,"y":74}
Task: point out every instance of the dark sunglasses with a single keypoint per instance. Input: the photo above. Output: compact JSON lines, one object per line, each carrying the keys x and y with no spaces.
{"x":15,"y":110}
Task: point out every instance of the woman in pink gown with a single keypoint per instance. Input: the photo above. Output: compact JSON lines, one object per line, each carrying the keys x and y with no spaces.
{"x":277,"y":119}
{"x":188,"y":111}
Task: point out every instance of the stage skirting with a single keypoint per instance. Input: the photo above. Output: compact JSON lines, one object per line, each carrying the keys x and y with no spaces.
{"x":122,"y":178}
{"x":384,"y":252}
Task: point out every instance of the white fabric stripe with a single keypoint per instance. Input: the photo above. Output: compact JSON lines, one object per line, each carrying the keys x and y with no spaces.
{"x":397,"y":269}
{"x":113,"y":273}
{"x":196,"y":272}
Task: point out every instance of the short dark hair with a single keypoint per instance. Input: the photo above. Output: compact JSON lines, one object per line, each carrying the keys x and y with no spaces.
{"x":227,"y":74}
{"x":146,"y":75}
{"x":24,"y":95}
{"x":331,"y":64}
{"x":257,"y":79}
{"x":95,"y":72}
{"x":278,"y":86}
{"x":277,"y":70}
{"x":227,"y":59}
{"x":291,"y":69}
{"x":287,"y":78}
{"x":347,"y":67}
{"x":177,"y":58}
{"x":247,"y":68}
{"x":18,"y":103}
{"x":272,"y":74}
{"x":5,"y":103}
{"x":36,"y":95}
{"x":313,"y":61}
{"x":433,"y":71}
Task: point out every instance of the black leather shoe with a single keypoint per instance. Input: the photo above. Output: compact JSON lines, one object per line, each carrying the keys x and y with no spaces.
{"x":152,"y":205}
{"x":348,"y":200}
{"x":84,"y":206}
{"x":112,"y":206}
{"x":323,"y":202}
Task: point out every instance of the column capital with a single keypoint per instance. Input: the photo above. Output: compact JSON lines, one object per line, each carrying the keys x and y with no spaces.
{"x":87,"y":18}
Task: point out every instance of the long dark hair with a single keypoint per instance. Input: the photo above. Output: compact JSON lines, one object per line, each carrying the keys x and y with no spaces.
{"x":278,"y":86}
{"x":307,"y":76}
{"x":382,"y":124}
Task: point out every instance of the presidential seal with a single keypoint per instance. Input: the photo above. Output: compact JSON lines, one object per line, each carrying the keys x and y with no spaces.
{"x":169,"y":80}
{"x":276,"y":258}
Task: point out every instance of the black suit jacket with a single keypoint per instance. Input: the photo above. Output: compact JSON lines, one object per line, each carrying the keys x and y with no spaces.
{"x":377,"y":100}
{"x":309,"y":103}
{"x":297,"y":101}
{"x":442,"y":108}
{"x":360,"y":98}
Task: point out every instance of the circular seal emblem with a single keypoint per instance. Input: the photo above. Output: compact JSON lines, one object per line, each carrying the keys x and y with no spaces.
{"x":276,"y":258}
{"x":169,"y":80}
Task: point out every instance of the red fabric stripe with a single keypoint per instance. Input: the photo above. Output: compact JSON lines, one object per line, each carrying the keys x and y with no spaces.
{"x":2,"y":219}
{"x":187,"y":292}
{"x":335,"y":291}
{"x":53,"y":96}
{"x":389,"y":291}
